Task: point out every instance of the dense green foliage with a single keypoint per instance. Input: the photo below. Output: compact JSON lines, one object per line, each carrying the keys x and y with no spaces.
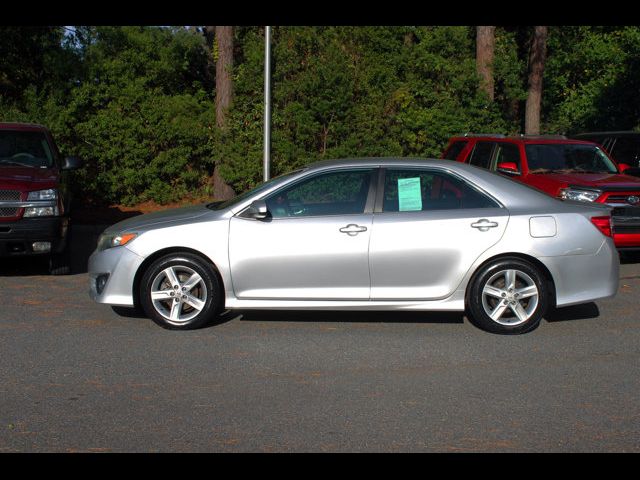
{"x":137,"y":103}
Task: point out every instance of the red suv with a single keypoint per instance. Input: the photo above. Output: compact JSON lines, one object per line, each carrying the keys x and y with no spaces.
{"x":34,"y":195}
{"x":567,"y":169}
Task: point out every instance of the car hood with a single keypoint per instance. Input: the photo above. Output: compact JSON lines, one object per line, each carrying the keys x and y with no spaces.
{"x":149,"y":221}
{"x":27,"y":178}
{"x":595,"y":180}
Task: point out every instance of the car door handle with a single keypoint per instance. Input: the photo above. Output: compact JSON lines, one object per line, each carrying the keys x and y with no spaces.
{"x":483,"y":224}
{"x":353,"y":229}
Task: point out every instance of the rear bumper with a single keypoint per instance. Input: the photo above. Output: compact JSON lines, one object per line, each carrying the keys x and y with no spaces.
{"x":17,"y":238}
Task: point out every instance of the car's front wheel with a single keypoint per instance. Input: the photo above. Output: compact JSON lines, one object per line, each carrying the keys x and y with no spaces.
{"x":508,"y":296}
{"x":181,"y":292}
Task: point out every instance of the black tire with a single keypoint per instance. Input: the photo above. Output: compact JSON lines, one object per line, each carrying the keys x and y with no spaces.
{"x":208,"y":291}
{"x":513,"y":312}
{"x":60,"y":262}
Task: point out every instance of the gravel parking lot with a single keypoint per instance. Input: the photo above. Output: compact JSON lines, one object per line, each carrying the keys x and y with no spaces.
{"x":81,"y":377}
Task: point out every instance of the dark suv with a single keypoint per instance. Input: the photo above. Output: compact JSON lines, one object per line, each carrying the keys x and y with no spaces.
{"x":565,"y":168}
{"x":624,"y":148}
{"x":34,"y":195}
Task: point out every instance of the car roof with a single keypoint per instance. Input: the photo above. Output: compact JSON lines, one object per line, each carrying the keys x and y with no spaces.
{"x":527,"y":139}
{"x":27,"y":127}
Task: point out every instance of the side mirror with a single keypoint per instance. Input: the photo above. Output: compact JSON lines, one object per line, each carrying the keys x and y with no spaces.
{"x":623,"y":166}
{"x":72,"y":163}
{"x":258,"y":210}
{"x":510,"y":168}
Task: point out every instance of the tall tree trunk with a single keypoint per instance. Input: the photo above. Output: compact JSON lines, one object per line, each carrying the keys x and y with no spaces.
{"x":224,"y":96}
{"x":536,"y":70}
{"x":485,"y":46}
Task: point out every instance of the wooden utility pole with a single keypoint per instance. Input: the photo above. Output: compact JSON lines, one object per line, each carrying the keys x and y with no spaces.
{"x":537,"y":60}
{"x":485,"y":46}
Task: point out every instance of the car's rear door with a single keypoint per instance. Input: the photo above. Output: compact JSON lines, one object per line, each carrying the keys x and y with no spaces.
{"x":429,"y":226}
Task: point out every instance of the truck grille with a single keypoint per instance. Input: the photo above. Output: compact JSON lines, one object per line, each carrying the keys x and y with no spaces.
{"x":8,"y":212}
{"x":9,"y":195}
{"x":626,"y":199}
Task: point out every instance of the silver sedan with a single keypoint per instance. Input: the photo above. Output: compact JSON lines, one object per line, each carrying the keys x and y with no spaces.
{"x":364,"y":234}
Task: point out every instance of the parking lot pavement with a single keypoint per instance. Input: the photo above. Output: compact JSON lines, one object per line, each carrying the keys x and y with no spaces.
{"x":77,"y":376}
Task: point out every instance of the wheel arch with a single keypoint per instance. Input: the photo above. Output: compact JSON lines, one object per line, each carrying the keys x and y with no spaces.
{"x":519,"y":256}
{"x":162,"y":253}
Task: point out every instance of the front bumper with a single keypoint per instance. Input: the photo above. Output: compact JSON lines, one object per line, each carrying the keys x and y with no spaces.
{"x":626,"y":227}
{"x":120,"y":265}
{"x":17,"y":237}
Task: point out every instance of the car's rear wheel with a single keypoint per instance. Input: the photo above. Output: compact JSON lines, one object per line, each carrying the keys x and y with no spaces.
{"x":181,"y":292}
{"x":508,"y":296}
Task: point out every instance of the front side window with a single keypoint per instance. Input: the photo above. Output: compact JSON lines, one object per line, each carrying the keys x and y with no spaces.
{"x":335,"y":193}
{"x":508,"y":153}
{"x":420,"y":190}
{"x":567,"y":158}
{"x":627,"y":150}
{"x":481,"y":155}
{"x":24,"y":149}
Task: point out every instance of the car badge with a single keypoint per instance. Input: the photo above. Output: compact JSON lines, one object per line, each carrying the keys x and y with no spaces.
{"x":633,"y":200}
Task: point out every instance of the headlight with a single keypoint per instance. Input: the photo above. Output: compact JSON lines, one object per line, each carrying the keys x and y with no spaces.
{"x":110,"y":240}
{"x":579,"y":195}
{"x":41,"y":211}
{"x":49,"y":194}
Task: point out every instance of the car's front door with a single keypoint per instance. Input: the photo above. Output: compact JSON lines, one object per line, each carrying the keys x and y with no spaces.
{"x":429,"y":227}
{"x":313,"y":245}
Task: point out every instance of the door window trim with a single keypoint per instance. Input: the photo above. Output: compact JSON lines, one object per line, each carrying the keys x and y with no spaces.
{"x":368,"y":206}
{"x":379,"y":201}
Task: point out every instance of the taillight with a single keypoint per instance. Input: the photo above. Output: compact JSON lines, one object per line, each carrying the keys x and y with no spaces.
{"x":603,"y":224}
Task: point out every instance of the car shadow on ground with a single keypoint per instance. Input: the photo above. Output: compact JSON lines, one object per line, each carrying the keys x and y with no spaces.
{"x":343,"y":316}
{"x":563,"y":314}
{"x":319,"y":316}
{"x":575,"y":312}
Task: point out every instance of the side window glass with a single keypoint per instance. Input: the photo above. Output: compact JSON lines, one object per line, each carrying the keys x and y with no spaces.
{"x":335,"y":193}
{"x":455,"y":149}
{"x":420,"y":190}
{"x":508,"y":153}
{"x":625,"y":150}
{"x":481,"y":155}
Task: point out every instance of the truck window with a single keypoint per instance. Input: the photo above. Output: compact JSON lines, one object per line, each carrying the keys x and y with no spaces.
{"x":481,"y":155}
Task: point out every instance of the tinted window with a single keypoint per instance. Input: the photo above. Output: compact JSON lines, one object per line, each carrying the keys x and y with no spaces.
{"x":413,"y":190}
{"x":626,"y":150}
{"x":508,"y":152}
{"x":565,"y":158}
{"x":336,"y":193}
{"x":481,"y":155}
{"x":27,"y":149}
{"x":455,"y":149}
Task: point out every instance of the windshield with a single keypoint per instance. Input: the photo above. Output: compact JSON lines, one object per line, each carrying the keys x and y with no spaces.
{"x":568,"y":158}
{"x":247,"y":194}
{"x":24,"y":149}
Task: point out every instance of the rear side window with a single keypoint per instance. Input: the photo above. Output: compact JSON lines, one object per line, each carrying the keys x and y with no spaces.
{"x":419,"y":190}
{"x":481,"y":155}
{"x":455,"y":149}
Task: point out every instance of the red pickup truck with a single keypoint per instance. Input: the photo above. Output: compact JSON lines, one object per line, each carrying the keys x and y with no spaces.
{"x":565,"y":168}
{"x":34,"y":195}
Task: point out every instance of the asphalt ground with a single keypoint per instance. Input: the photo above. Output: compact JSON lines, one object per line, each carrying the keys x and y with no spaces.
{"x":76,"y":376}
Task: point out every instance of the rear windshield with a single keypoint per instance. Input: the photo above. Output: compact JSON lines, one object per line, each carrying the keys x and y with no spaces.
{"x":24,"y":149}
{"x":567,"y":158}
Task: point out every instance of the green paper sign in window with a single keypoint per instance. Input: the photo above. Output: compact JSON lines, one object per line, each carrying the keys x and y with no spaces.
{"x":409,"y":195}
